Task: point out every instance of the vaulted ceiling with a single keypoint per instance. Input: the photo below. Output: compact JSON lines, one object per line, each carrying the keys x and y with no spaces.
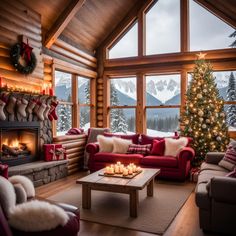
{"x":96,"y":19}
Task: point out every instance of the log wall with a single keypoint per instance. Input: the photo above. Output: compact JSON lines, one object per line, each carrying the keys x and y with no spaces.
{"x":75,"y":146}
{"x":17,"y":20}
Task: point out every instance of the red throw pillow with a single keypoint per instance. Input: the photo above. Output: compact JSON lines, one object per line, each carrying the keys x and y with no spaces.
{"x":158,"y":147}
{"x":139,"y":149}
{"x":133,"y":137}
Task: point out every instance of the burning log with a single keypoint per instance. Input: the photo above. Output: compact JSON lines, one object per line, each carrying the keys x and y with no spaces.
{"x":14,"y":151}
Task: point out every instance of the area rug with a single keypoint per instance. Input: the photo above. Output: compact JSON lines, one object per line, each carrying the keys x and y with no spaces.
{"x":154,"y":213}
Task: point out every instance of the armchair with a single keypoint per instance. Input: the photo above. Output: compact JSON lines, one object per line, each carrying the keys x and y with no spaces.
{"x":71,"y":227}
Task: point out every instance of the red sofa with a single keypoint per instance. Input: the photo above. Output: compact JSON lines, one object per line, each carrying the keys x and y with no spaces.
{"x":174,"y":168}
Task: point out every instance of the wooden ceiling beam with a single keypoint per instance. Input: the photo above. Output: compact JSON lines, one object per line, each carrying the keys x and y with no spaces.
{"x":213,"y":9}
{"x":62,"y":21}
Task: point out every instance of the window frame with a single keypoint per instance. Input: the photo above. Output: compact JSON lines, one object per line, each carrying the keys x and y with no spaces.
{"x":74,"y":97}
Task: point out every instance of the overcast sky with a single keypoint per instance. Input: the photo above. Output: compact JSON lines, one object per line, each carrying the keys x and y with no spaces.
{"x":163,"y":31}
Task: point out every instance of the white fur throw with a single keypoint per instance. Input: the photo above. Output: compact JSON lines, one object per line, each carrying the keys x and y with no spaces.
{"x":105,"y":143}
{"x":7,"y":195}
{"x":174,"y":146}
{"x":26,"y":184}
{"x":121,"y":145}
{"x":37,"y":216}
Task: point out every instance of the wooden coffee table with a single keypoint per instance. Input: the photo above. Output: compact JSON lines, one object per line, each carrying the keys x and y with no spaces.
{"x":118,"y":185}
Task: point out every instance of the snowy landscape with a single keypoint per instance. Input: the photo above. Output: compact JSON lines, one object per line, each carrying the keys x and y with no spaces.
{"x":161,"y":90}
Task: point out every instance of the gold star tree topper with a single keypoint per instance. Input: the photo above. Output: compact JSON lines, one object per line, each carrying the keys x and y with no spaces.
{"x":201,"y":56}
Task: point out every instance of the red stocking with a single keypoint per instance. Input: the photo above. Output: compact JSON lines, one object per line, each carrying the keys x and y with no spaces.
{"x":52,"y":113}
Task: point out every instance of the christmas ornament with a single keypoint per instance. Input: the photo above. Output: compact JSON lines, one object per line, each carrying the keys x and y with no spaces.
{"x":201,"y":119}
{"x":204,"y":126}
{"x":200,"y":113}
{"x":208,"y":121}
{"x":218,"y":138}
{"x":199,"y":96}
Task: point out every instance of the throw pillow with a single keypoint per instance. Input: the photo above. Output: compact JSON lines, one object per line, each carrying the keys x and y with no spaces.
{"x":26,"y":183}
{"x":133,"y":137}
{"x":174,"y":146}
{"x":229,"y":159}
{"x":105,"y":143}
{"x":158,"y":147}
{"x":232,"y":174}
{"x":36,"y":216}
{"x":121,"y":145}
{"x":139,"y":149}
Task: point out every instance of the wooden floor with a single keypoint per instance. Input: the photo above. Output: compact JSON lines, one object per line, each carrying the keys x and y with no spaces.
{"x":185,"y":224}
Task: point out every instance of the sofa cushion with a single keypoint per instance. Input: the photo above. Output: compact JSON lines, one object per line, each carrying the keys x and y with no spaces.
{"x":158,"y":147}
{"x":139,"y":149}
{"x":229,"y":160}
{"x":121,"y":145}
{"x":206,"y":175}
{"x":105,"y":143}
{"x":115,"y":157}
{"x":208,"y":166}
{"x":160,"y":161}
{"x":146,"y":139}
{"x":133,"y":137}
{"x":174,"y":146}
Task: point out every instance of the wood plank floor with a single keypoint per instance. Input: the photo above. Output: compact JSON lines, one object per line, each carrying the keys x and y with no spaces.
{"x":185,"y":223}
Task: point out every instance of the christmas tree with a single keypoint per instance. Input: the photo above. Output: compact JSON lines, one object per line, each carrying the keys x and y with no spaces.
{"x":204,"y":119}
{"x":118,"y":121}
{"x":231,"y":96}
{"x":64,"y":121}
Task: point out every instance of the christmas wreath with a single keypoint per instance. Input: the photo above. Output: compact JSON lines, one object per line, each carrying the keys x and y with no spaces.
{"x":23,"y":51}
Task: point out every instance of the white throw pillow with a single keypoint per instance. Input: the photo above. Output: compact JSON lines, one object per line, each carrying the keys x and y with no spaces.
{"x":121,"y":145}
{"x":26,"y":183}
{"x":37,"y":216}
{"x":105,"y":143}
{"x":174,"y":146}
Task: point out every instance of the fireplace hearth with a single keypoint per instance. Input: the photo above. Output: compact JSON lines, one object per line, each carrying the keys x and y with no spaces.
{"x":19,"y":142}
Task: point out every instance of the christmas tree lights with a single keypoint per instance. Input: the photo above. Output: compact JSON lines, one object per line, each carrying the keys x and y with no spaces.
{"x":204,"y":118}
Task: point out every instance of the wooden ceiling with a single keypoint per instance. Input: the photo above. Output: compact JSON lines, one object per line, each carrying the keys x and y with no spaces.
{"x":96,"y":19}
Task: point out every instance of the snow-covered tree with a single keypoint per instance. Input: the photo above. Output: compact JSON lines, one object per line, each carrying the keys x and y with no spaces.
{"x":118,"y":121}
{"x":87,"y":93}
{"x":64,"y":118}
{"x":231,"y":96}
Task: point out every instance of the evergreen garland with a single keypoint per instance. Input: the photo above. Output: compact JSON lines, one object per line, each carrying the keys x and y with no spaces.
{"x":204,"y":118}
{"x":15,"y":56}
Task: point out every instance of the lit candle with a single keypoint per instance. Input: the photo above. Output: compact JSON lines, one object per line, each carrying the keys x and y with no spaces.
{"x":107,"y":170}
{"x":117,"y":169}
{"x":121,"y":168}
{"x":130,"y":170}
{"x":111,"y":170}
{"x":118,"y":163}
{"x":125,"y":171}
{"x":134,"y":168}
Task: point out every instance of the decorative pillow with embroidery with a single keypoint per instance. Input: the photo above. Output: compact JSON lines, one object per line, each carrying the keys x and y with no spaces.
{"x":139,"y":149}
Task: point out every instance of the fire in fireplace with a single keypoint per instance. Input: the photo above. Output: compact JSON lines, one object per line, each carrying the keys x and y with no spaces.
{"x":19,"y":142}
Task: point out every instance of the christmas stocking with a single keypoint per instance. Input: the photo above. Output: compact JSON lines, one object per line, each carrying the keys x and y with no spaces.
{"x":21,"y":106}
{"x":46,"y":112}
{"x":52,"y":113}
{"x":2,"y":114}
{"x":10,"y":107}
{"x":30,"y":108}
{"x":40,"y":110}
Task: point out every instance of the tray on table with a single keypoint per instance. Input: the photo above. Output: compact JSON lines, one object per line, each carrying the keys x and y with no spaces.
{"x":121,"y":175}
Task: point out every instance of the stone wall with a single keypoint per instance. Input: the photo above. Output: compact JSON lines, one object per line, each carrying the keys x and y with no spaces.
{"x":41,"y":172}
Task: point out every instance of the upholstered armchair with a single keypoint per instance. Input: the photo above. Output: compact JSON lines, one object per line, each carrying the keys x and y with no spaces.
{"x":12,"y":193}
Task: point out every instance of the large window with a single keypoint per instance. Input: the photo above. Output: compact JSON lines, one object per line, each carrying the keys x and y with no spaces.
{"x":127,"y":46}
{"x":163,"y":102}
{"x":163,"y":27}
{"x":206,"y":30}
{"x":75,"y":102}
{"x":63,"y":85}
{"x":84,"y":102}
{"x":123,"y":99}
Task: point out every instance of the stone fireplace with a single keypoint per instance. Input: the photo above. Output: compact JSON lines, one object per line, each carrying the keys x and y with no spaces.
{"x":22,"y":135}
{"x":19,"y":142}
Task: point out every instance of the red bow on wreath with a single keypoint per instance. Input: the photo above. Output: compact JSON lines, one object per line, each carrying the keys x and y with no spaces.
{"x":25,"y":51}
